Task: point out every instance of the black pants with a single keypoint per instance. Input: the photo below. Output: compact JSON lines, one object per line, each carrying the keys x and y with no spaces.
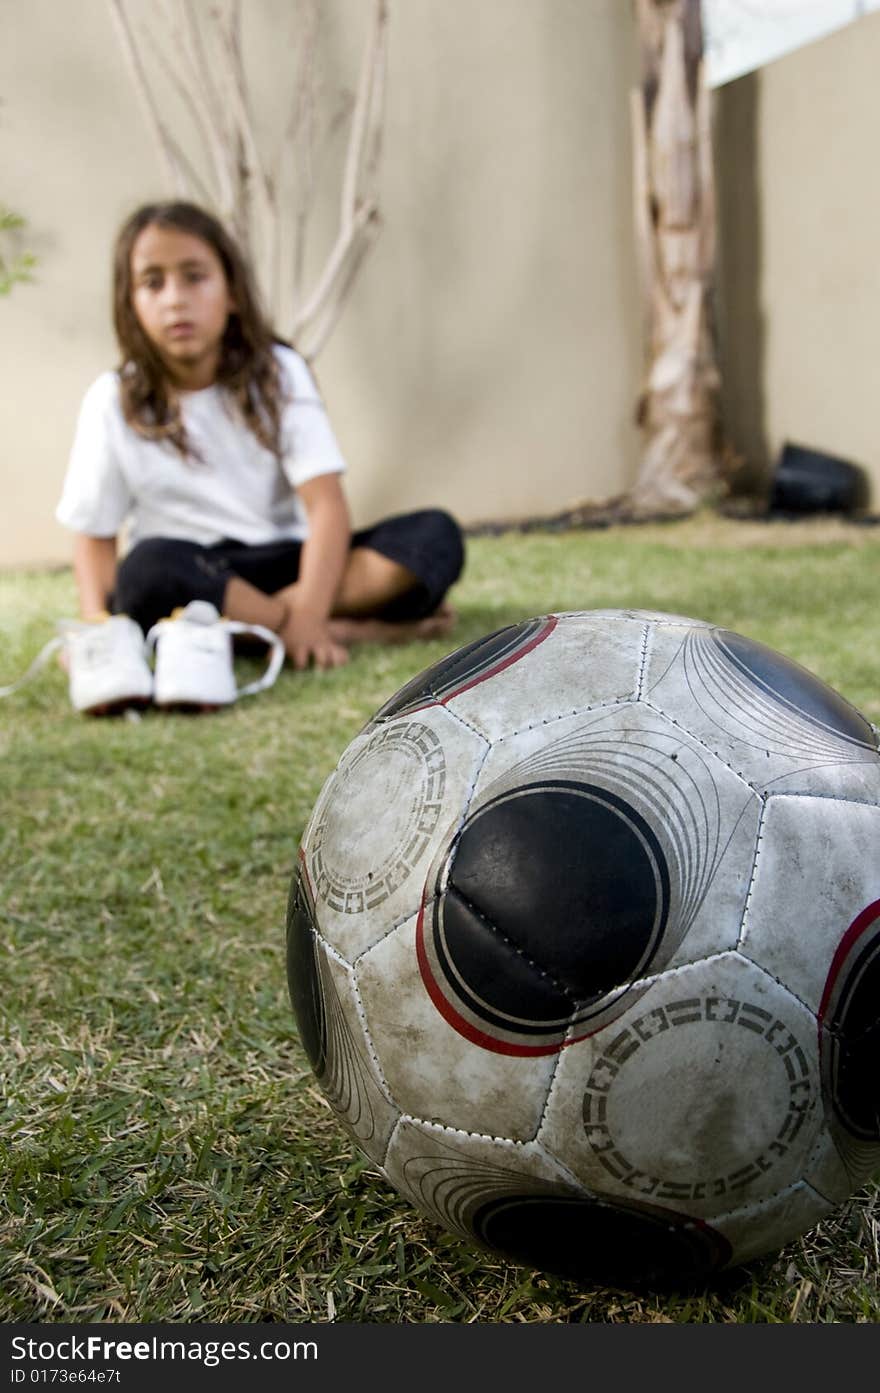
{"x":160,"y":574}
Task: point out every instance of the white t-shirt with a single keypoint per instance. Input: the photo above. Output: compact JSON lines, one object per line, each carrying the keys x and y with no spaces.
{"x":235,"y":488}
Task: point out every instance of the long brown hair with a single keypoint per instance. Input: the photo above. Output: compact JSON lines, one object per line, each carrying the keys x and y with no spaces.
{"x":247,"y":367}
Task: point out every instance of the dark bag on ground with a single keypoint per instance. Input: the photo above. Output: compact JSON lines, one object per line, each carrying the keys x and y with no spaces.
{"x":809,"y":481}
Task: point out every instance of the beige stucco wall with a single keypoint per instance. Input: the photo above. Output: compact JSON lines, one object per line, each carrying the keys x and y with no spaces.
{"x":489,"y":358}
{"x":800,"y":283}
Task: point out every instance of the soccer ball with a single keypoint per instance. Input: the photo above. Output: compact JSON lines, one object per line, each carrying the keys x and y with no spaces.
{"x":584,"y":946}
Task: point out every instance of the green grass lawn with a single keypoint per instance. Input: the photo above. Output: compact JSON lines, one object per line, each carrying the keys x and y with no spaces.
{"x":167,"y":1155}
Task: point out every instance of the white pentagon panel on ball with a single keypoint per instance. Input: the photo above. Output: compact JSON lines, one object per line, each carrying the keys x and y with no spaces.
{"x":723,"y":870}
{"x":568,"y":663}
{"x":704,"y":1097}
{"x":333,"y":1034}
{"x":565,"y":743}
{"x":771,"y":720}
{"x":817,"y":873}
{"x":455,"y":1177}
{"x":762,"y":1228}
{"x":433,"y":1069}
{"x":398,"y":791}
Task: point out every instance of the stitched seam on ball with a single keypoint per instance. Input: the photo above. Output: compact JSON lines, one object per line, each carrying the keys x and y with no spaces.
{"x":732,"y":953}
{"x":551,"y":1084}
{"x":643,"y":661}
{"x":566,"y":1171}
{"x":659,"y":711}
{"x":469,"y":793}
{"x":331,"y":951}
{"x":380,"y":1079}
{"x":820,"y":1194}
{"x":759,"y":787}
{"x":481,"y":734}
{"x":331,"y":948}
{"x":750,"y":1207}
{"x":434,"y":1126}
{"x":608,"y":705}
{"x":394,"y":1130}
{"x":645,"y":983}
{"x":407,"y":919}
{"x":743,"y":924}
{"x":786,"y":986}
{"x":505,"y":938}
{"x":823,"y":797}
{"x":669,"y":666}
{"x":374,"y":1076}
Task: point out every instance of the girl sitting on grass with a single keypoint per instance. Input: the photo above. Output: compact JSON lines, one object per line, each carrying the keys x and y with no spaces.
{"x":211,"y":443}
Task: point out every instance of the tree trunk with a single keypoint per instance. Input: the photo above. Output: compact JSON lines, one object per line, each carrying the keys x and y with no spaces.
{"x":675,"y":225}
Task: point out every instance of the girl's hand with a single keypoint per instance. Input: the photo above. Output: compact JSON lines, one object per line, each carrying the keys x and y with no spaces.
{"x":307,"y":633}
{"x":307,"y":639}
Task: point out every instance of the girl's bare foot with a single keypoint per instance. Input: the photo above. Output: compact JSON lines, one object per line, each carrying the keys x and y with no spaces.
{"x":436,"y":625}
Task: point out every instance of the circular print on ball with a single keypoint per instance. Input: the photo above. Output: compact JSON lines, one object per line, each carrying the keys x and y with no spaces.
{"x":379,"y":819}
{"x":533,"y":927}
{"x":744,"y":1096}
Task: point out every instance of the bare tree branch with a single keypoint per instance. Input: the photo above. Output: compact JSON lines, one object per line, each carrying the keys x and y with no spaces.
{"x":189,"y":95}
{"x":371,"y":70}
{"x":259,"y":184}
{"x":333,"y":274}
{"x":173,"y":173}
{"x":192,"y":38}
{"x":319,"y":331}
{"x":299,"y":137}
{"x":199,"y":55}
{"x":211,"y":120}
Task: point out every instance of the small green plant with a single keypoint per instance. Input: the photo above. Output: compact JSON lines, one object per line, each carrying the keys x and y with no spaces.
{"x":19,"y":265}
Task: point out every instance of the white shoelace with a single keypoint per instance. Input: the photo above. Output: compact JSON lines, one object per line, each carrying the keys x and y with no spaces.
{"x":37,"y":665}
{"x":66,"y":628}
{"x":275,"y":660}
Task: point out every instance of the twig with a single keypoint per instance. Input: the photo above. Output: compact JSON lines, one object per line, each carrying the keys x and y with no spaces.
{"x":334,"y":267}
{"x":323,"y":328}
{"x":132,"y":57}
{"x":212,"y":120}
{"x":300,"y":135}
{"x":202,"y":59}
{"x":187,"y":92}
{"x":370,"y":69}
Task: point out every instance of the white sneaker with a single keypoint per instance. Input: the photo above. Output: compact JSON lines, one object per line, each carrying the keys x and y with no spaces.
{"x":106,"y":664}
{"x":194,"y":658}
